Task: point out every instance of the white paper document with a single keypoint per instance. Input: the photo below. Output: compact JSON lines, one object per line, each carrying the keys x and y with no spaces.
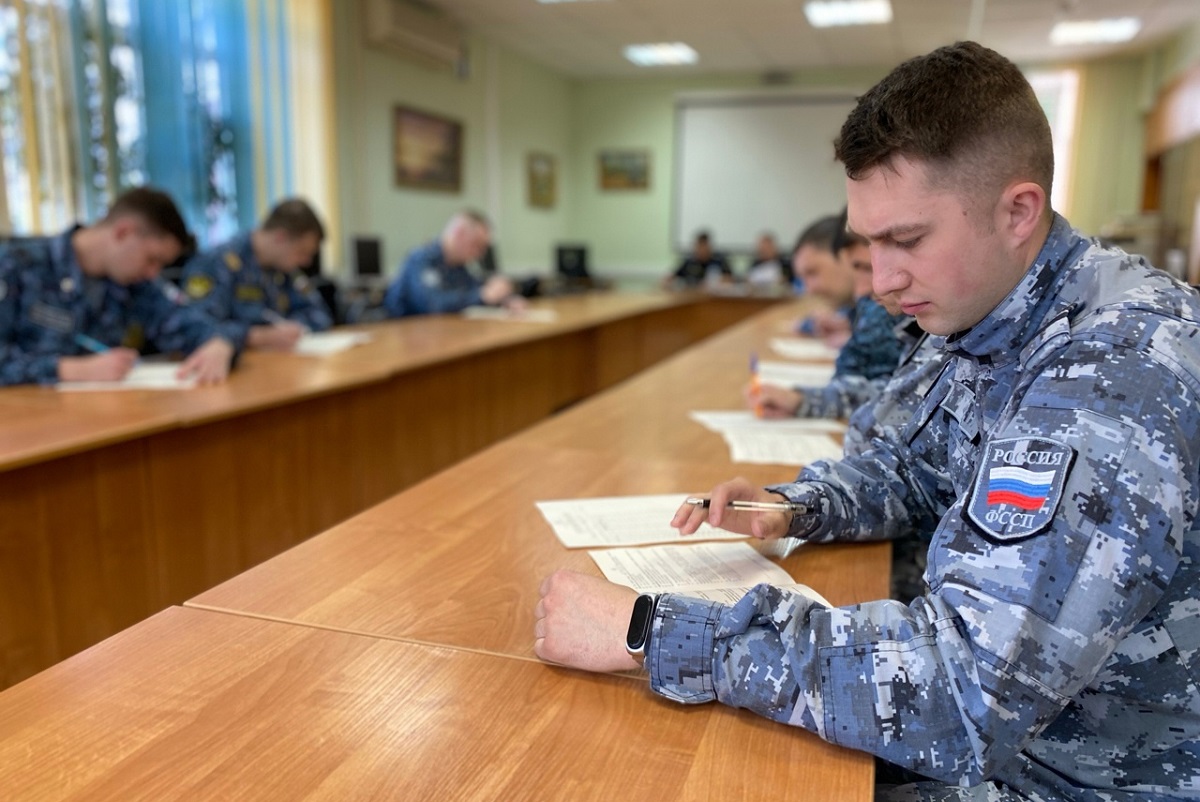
{"x":792,"y":374}
{"x":143,"y":376}
{"x":323,"y":343}
{"x":621,"y":521}
{"x":787,"y":441}
{"x":800,"y":348}
{"x":716,"y":571}
{"x":517,"y":316}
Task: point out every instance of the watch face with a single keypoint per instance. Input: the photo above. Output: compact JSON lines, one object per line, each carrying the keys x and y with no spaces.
{"x":639,"y":622}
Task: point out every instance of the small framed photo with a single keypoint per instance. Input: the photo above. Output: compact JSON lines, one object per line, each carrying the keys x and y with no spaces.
{"x":542,"y":175}
{"x":624,"y":169}
{"x":428,"y":150}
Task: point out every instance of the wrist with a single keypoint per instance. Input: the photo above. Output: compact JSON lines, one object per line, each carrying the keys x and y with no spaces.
{"x":641,"y":624}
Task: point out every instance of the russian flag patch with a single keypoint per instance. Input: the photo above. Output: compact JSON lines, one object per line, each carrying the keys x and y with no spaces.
{"x":1019,"y":486}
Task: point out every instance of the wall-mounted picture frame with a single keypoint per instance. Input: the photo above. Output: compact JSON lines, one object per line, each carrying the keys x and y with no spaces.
{"x":542,"y":176}
{"x":427,"y":149}
{"x":624,"y":169}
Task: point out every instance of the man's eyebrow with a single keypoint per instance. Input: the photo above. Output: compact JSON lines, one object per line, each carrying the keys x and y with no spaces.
{"x":893,"y":232}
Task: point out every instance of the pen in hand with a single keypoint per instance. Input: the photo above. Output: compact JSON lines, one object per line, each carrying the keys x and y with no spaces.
{"x":90,"y":343}
{"x":762,"y":506}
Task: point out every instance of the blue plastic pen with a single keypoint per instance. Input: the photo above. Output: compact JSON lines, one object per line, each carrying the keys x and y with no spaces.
{"x":90,"y":343}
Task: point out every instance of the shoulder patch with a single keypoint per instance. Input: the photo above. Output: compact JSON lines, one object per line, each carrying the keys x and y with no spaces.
{"x":1019,"y":486}
{"x":199,"y":286}
{"x":251,"y":293}
{"x":233,"y":261}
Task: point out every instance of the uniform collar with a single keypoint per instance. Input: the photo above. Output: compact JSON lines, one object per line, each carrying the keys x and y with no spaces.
{"x":66,"y":265}
{"x":1001,"y":335}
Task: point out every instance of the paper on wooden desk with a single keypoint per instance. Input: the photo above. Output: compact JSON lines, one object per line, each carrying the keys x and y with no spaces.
{"x":786,"y":441}
{"x":716,"y":571}
{"x":143,"y":376}
{"x":323,"y":343}
{"x":621,"y":521}
{"x":803,"y":348}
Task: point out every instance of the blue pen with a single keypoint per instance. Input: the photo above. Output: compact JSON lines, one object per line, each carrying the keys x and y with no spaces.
{"x":90,"y":343}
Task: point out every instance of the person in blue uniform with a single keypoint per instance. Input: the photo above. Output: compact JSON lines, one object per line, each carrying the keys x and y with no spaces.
{"x":77,"y":306}
{"x":250,"y":283}
{"x":868,"y":358}
{"x":1055,"y":651}
{"x":436,"y":278}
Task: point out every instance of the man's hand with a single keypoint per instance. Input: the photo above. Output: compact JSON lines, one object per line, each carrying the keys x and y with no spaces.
{"x":209,"y":363}
{"x":495,"y":290}
{"x":581,"y":622}
{"x":108,"y":366}
{"x":772,"y":400}
{"x":763,"y":525}
{"x":281,"y":336}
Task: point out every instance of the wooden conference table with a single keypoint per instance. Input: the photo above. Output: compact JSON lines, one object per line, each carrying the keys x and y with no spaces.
{"x":115,"y":505}
{"x":390,"y":656}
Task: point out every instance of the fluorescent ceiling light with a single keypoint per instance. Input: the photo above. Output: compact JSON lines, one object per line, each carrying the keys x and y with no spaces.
{"x":828,"y":13}
{"x":659,"y":54}
{"x":1088,"y":32}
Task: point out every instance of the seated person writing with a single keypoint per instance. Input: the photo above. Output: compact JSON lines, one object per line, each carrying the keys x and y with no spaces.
{"x":1053,"y":655}
{"x":702,"y":266}
{"x":868,"y":358}
{"x":766,"y":265}
{"x":250,"y":285}
{"x":78,"y":305}
{"x":435,"y":277}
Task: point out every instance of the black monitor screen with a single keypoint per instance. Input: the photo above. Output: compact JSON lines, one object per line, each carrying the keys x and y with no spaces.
{"x":572,"y":261}
{"x":367,"y":257}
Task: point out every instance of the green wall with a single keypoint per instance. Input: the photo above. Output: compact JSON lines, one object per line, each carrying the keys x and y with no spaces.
{"x":508,"y":107}
{"x":511,"y":106}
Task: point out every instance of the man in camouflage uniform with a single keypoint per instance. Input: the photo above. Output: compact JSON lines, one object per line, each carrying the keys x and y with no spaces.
{"x":868,"y":358}
{"x":249,"y":284}
{"x":77,"y":306}
{"x":1055,"y":653}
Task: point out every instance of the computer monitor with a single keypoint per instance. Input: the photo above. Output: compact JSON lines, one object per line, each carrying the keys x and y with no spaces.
{"x":367,"y":257}
{"x":488,"y":263}
{"x":571,"y":261}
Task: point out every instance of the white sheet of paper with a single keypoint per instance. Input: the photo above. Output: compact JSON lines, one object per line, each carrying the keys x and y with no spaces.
{"x":722,"y":420}
{"x":800,"y":348}
{"x":322,"y":343}
{"x":143,"y":376}
{"x":621,"y":521}
{"x":519,"y":316}
{"x":791,"y":374}
{"x":715,"y":571}
{"x":734,"y":595}
{"x":787,"y":441}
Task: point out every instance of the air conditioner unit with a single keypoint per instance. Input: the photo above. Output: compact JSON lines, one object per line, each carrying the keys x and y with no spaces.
{"x":416,"y":32}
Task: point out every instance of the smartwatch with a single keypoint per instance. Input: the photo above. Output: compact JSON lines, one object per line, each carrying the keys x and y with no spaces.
{"x":640,"y":622}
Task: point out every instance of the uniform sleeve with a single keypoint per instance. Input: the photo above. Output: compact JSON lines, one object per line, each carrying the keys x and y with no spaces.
{"x":306,"y":308}
{"x":873,"y":350}
{"x":170,"y":321}
{"x":17,"y":364}
{"x":209,"y":286}
{"x":425,"y":290}
{"x":840,"y":398}
{"x":1017,"y":624}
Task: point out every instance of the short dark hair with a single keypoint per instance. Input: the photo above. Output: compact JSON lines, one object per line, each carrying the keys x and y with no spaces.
{"x":294,"y":217}
{"x":820,"y":234}
{"x":156,"y":210}
{"x":963,"y":110}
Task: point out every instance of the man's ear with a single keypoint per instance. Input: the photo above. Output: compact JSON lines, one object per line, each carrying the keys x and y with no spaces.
{"x":1021,"y":208}
{"x":123,"y":227}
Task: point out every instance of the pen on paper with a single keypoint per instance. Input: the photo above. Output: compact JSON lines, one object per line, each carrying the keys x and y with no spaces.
{"x":762,"y":506}
{"x":90,"y":343}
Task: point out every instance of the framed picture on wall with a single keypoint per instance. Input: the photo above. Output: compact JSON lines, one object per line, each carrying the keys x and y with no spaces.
{"x":542,"y":175}
{"x":427,"y":150}
{"x":624,"y":169}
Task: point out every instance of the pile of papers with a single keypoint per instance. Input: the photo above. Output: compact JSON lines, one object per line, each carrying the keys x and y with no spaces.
{"x":143,"y":376}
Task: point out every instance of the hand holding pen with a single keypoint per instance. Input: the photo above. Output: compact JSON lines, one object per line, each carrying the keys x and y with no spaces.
{"x":737,"y":506}
{"x":102,"y":364}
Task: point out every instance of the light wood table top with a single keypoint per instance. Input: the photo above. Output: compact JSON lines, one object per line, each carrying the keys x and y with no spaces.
{"x":204,"y":706}
{"x":458,"y":558}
